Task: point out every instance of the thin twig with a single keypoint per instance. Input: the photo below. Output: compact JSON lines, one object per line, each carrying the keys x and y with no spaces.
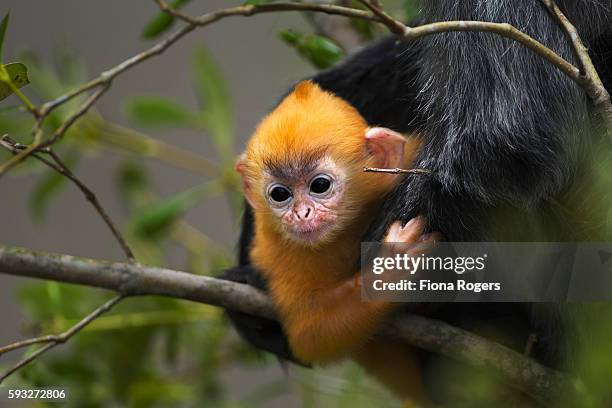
{"x":396,"y":170}
{"x":248,"y":10}
{"x":504,"y":30}
{"x":377,"y":14}
{"x":61,"y":131}
{"x":91,"y":197}
{"x":58,"y":165}
{"x":54,"y":340}
{"x":104,"y":80}
{"x":11,"y":145}
{"x":338,"y":28}
{"x":208,"y":18}
{"x":108,"y":75}
{"x":592,"y":82}
{"x":394,"y":25}
{"x":29,"y":106}
{"x":19,"y":157}
{"x":58,"y":134}
{"x":581,"y":52}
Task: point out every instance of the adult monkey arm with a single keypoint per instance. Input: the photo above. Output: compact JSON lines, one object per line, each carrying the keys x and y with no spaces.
{"x":503,"y":125}
{"x":505,"y":129}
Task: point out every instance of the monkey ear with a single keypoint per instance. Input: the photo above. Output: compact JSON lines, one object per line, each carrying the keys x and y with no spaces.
{"x":385,"y":146}
{"x":246,"y":185}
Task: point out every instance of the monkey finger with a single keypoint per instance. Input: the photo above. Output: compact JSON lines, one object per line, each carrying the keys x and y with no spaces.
{"x":425,"y":244}
{"x":409,"y":233}
{"x":393,"y":233}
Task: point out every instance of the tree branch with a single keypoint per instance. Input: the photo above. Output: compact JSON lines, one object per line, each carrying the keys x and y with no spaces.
{"x":59,"y":166}
{"x":395,"y":26}
{"x":134,"y":280}
{"x":53,"y":340}
{"x":592,"y":82}
{"x":103,"y":82}
{"x":248,"y":10}
{"x":127,"y":279}
{"x":396,"y":170}
{"x":504,"y":30}
{"x":377,"y":14}
{"x":338,"y":28}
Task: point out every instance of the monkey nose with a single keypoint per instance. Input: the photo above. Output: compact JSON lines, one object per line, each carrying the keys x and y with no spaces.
{"x":304,"y":213}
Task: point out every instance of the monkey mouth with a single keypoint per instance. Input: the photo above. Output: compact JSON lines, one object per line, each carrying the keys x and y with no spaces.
{"x":311,"y":235}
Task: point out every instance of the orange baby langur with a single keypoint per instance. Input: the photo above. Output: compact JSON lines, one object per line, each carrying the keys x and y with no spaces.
{"x":302,"y":174}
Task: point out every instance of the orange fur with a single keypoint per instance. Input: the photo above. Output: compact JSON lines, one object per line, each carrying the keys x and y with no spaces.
{"x":316,"y":289}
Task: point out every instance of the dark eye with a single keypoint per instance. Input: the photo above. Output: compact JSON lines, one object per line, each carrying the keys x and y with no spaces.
{"x":279,"y":193}
{"x":320,"y":184}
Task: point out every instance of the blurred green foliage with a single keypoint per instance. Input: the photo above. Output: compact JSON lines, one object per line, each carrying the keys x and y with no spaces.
{"x":162,"y":21}
{"x":320,"y":51}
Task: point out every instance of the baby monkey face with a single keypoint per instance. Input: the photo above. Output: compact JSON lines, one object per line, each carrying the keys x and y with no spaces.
{"x":309,"y":190}
{"x":307,"y":200}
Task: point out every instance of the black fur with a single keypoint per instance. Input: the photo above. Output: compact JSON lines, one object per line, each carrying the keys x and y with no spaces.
{"x":503,"y":125}
{"x":503,"y":129}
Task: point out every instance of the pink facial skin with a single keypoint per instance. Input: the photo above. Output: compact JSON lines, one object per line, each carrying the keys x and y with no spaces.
{"x":307,"y":216}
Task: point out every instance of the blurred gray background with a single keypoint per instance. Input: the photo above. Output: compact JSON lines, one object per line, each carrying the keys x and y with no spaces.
{"x":258,"y":68}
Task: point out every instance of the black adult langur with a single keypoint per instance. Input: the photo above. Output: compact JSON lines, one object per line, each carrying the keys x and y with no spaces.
{"x":507,"y":136}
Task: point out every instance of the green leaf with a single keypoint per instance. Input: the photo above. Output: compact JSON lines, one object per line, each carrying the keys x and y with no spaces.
{"x":289,"y":36}
{"x":320,"y":51}
{"x":155,"y":111}
{"x":48,"y":187}
{"x":162,"y":21}
{"x":3,"y":27}
{"x":158,"y":25}
{"x":216,"y":107}
{"x":18,"y":74}
{"x":154,"y":221}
